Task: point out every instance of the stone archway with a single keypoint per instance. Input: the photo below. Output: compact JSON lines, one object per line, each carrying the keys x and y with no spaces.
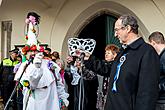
{"x":110,"y":7}
{"x":0,"y":2}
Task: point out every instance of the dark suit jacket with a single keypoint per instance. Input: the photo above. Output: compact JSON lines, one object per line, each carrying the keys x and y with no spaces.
{"x":137,"y":85}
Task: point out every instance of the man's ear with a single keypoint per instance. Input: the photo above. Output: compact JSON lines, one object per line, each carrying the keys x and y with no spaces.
{"x":128,"y":27}
{"x":153,"y":42}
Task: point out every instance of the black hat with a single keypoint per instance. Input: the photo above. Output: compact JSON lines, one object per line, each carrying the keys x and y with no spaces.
{"x":49,"y":49}
{"x":16,"y":50}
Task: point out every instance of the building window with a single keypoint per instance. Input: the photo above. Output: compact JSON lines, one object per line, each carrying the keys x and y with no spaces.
{"x":6,"y":27}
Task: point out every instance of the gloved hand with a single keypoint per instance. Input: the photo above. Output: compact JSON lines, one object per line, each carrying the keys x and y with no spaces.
{"x":38,"y":60}
{"x":66,"y":102}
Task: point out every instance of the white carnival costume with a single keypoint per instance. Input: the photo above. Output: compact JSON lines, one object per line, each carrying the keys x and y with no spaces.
{"x":43,"y":87}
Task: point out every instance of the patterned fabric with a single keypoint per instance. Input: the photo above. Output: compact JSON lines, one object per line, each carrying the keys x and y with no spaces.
{"x":76,"y":76}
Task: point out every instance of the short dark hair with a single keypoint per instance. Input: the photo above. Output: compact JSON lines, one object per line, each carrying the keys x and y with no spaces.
{"x":130,"y":20}
{"x":56,"y":54}
{"x":49,"y":49}
{"x":157,"y":37}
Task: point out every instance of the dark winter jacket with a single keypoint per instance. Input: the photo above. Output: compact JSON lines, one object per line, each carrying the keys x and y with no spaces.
{"x":162,"y":78}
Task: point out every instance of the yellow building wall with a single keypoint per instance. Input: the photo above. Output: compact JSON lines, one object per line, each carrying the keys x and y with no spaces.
{"x":61,"y":19}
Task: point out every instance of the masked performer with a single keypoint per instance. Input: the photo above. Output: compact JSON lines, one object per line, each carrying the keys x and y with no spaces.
{"x":42,"y":85}
{"x":82,"y":83}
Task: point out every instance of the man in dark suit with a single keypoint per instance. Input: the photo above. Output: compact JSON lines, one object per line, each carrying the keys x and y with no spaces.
{"x":134,"y":74}
{"x":156,"y":39}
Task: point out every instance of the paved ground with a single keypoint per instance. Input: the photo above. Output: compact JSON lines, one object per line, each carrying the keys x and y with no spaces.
{"x":1,"y":106}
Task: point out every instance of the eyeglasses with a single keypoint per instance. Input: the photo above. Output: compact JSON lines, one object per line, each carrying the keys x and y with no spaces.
{"x":117,"y":29}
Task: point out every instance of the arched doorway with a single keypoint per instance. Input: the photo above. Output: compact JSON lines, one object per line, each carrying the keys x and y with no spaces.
{"x":100,"y":29}
{"x":87,"y":16}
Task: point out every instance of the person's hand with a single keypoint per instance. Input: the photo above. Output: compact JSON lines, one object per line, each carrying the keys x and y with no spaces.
{"x":38,"y":60}
{"x":66,"y":102}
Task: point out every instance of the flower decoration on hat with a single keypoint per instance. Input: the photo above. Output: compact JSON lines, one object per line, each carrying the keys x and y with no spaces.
{"x":31,"y":33}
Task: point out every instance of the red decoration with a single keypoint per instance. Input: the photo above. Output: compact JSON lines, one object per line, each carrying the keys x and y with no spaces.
{"x":26,"y":37}
{"x":41,"y":49}
{"x":24,"y":50}
{"x":27,"y":48}
{"x":33,"y":48}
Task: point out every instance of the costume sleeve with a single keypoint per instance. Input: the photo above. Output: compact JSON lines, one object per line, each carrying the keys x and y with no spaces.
{"x":60,"y":86}
{"x":98,"y":66}
{"x":147,"y":91}
{"x":19,"y":72}
{"x":35,"y":75}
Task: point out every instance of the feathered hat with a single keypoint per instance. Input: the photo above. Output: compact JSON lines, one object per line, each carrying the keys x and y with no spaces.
{"x":31,"y":33}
